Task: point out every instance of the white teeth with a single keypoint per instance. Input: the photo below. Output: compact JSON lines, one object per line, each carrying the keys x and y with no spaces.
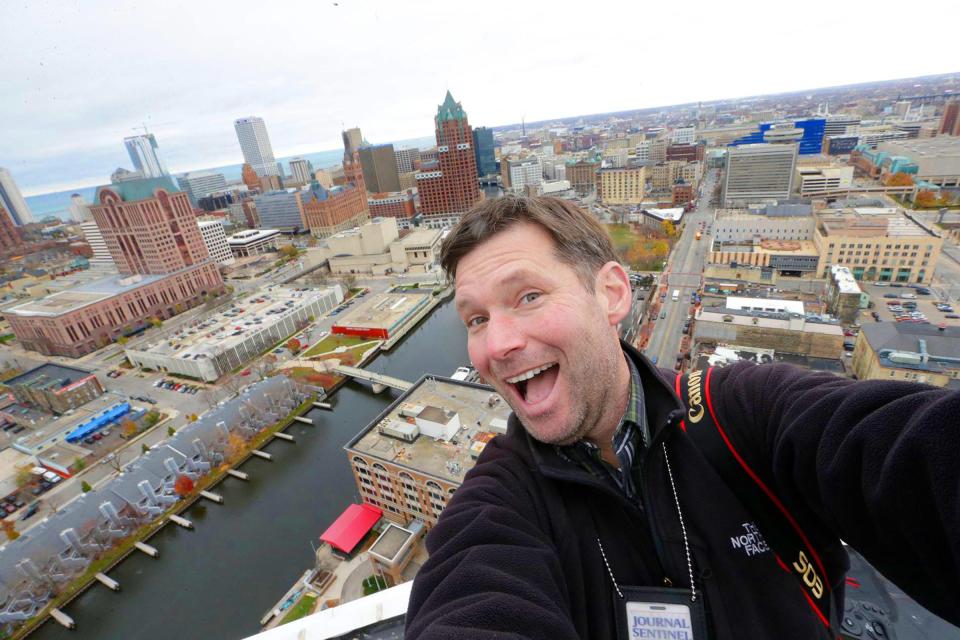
{"x":529,"y":374}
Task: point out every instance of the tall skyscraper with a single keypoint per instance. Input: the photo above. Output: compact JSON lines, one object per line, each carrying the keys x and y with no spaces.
{"x":145,"y":155}
{"x":453,"y":188}
{"x":483,"y":149}
{"x":255,"y":145}
{"x":12,"y":200}
{"x":758,"y":172}
{"x":379,"y":168}
{"x":9,"y":237}
{"x":149,"y":227}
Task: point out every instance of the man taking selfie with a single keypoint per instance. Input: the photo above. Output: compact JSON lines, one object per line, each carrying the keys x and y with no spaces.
{"x":629,"y":502}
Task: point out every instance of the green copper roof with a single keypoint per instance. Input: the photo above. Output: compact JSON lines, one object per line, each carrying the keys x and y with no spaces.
{"x":450,"y":110}
{"x":142,"y":189}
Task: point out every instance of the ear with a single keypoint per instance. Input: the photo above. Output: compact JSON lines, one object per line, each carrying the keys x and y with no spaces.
{"x":613,"y":292}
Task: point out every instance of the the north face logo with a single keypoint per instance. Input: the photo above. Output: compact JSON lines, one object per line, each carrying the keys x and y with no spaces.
{"x":750,"y":541}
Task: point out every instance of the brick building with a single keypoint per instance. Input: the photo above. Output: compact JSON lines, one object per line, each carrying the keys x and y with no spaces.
{"x":682,"y":193}
{"x":55,"y":388}
{"x":414,"y":455}
{"x":451,"y":187}
{"x":583,"y":175}
{"x":152,"y":234}
{"x":398,"y":205}
{"x":9,"y":237}
{"x":686,"y":152}
{"x":329,"y":211}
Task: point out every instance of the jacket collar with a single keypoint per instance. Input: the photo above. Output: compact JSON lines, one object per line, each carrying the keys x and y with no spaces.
{"x":659,"y":400}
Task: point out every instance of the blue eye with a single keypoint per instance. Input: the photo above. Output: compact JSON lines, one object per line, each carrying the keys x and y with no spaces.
{"x":530,"y":297}
{"x":475,"y":321}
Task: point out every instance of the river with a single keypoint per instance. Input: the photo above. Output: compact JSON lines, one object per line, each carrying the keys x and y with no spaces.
{"x":219,"y":579}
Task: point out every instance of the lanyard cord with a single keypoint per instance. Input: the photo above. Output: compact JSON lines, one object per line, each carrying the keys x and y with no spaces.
{"x":683,"y":530}
{"x":683,"y":527}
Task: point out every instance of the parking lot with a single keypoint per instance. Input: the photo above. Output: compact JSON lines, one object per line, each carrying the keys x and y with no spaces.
{"x":885,"y":296}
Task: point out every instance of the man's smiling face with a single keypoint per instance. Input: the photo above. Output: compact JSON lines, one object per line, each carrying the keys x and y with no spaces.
{"x":547,"y":344}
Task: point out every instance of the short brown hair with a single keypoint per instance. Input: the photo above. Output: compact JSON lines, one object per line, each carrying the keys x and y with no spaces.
{"x":579,"y":238}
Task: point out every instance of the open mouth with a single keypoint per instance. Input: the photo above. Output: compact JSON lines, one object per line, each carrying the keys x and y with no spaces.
{"x":536,"y":384}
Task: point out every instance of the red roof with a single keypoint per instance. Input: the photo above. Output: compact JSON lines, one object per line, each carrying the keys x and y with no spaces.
{"x":349,"y":529}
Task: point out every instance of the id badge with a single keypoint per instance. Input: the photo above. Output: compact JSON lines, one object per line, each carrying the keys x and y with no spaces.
{"x":659,"y":613}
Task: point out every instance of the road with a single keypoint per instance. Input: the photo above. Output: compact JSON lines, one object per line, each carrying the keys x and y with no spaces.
{"x":683,"y":273}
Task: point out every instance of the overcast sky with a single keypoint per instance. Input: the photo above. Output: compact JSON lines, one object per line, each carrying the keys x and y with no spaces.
{"x":76,"y":76}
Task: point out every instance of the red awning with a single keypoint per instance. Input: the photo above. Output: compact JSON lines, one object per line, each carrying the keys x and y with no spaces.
{"x":349,"y":529}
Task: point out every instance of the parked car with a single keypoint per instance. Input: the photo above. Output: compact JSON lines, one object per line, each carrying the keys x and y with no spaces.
{"x":891,"y":295}
{"x":952,"y":316}
{"x":876,"y":316}
{"x":31,"y":510}
{"x":908,"y":296}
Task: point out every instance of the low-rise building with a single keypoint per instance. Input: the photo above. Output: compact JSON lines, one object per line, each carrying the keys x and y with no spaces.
{"x":89,"y":316}
{"x":787,"y":332}
{"x":328,"y":211}
{"x":55,"y":388}
{"x":787,"y":257}
{"x":876,"y":243}
{"x":908,"y":351}
{"x":845,"y":299}
{"x":253,"y":242}
{"x":384,"y":315}
{"x":399,"y":205}
{"x":413,"y":456}
{"x":228,"y":339}
{"x":820,"y":180}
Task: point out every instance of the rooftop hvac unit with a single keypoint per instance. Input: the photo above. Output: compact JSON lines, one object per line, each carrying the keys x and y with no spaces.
{"x":905,"y":357}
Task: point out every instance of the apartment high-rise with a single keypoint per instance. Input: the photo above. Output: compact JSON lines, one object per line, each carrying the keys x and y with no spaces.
{"x":483,"y":149}
{"x":102,"y":258}
{"x":255,"y":145}
{"x":379,"y":165}
{"x":149,"y":226}
{"x":145,"y":155}
{"x":352,"y":141}
{"x":407,"y":159}
{"x":12,"y":200}
{"x":950,"y":120}
{"x":215,"y":239}
{"x":757,"y":172}
{"x":453,"y":188}
{"x":197,"y":184}
{"x":9,"y":236}
{"x":301,"y":171}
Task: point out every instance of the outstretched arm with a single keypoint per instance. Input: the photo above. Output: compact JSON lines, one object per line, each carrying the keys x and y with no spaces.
{"x":876,"y":462}
{"x":492,"y":572}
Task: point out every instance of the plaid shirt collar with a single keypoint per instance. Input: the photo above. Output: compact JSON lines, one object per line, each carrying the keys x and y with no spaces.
{"x":630,"y":438}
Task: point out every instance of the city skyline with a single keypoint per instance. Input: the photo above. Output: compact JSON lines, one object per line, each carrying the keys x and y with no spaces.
{"x":189,"y":91}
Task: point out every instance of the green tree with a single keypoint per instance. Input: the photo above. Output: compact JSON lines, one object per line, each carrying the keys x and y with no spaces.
{"x":85,"y":487}
{"x":171,"y":431}
{"x":151,"y":418}
{"x":79,"y":464}
{"x":144,"y":448}
{"x":24,"y":476}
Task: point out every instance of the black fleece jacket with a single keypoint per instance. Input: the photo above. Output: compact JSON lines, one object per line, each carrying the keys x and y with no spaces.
{"x":877,"y":463}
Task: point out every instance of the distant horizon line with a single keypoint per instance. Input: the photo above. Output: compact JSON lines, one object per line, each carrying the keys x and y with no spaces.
{"x":87,"y":184}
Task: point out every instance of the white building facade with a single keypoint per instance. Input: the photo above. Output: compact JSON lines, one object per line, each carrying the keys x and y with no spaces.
{"x":758,"y":172}
{"x":216,"y":240}
{"x":145,"y":155}
{"x":12,"y":199}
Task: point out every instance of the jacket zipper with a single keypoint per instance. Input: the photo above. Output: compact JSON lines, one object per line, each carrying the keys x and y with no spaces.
{"x":661,"y":434}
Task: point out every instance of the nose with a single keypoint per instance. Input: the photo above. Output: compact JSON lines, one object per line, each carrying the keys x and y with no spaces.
{"x":503,"y":336}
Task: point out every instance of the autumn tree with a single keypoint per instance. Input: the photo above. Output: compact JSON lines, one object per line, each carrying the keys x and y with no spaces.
{"x":128,"y":429}
{"x":236,"y":446}
{"x":293,"y":345}
{"x":926,"y":198}
{"x":9,"y":528}
{"x":182,"y":486}
{"x":24,"y":476}
{"x":669,"y":228}
{"x":899,"y":179}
